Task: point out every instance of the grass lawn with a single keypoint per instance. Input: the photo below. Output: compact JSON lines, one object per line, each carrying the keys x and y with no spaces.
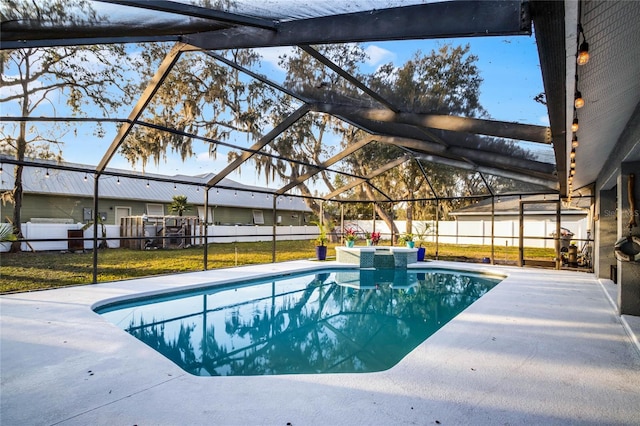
{"x":41,"y":270}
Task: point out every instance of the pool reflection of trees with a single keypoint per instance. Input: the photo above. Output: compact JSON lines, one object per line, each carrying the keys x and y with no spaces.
{"x":323,"y":328}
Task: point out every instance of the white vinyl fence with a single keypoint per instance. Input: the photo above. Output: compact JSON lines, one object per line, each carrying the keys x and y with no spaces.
{"x":450,"y":232}
{"x":216,"y":234}
{"x":506,"y":232}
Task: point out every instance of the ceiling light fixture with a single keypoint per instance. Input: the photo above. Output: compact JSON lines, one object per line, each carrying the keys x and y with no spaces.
{"x":47,"y":174}
{"x":118,"y":181}
{"x":147,"y":184}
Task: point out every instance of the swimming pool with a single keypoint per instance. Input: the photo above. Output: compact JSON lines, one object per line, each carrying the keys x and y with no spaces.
{"x":328,"y":321}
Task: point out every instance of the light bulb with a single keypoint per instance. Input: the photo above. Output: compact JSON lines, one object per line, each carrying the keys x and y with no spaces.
{"x":575,"y":125}
{"x":579,"y":101}
{"x":583,"y":53}
{"x":572,"y":155}
{"x":574,"y":142}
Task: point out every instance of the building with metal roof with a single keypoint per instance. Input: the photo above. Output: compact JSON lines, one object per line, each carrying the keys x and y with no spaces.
{"x":61,"y":194}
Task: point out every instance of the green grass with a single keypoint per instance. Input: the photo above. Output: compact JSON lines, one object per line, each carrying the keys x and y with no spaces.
{"x":41,"y":270}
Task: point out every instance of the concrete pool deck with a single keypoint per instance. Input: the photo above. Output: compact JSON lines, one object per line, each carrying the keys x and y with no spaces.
{"x":542,"y":347}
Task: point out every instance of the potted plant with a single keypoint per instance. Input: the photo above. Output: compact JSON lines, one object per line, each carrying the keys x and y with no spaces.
{"x":350,"y":237}
{"x":420,"y":231}
{"x":367,"y":237}
{"x":321,"y":241}
{"x":375,"y":238}
{"x":407,"y":239}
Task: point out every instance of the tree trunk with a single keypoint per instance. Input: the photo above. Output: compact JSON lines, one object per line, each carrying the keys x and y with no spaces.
{"x":17,"y":188}
{"x":388,"y":220}
{"x":409,"y":224}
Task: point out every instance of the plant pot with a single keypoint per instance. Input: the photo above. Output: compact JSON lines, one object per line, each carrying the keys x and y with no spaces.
{"x":321,"y":252}
{"x":410,"y":244}
{"x":421,"y":253}
{"x":350,"y":243}
{"x":368,"y":243}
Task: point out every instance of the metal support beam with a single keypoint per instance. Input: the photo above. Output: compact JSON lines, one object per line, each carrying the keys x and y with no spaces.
{"x":274,"y":229}
{"x":425,"y":21}
{"x":342,"y":223}
{"x":521,"y":235}
{"x":369,"y":176}
{"x":96,"y":197}
{"x":502,"y":129}
{"x":493,"y":229}
{"x":255,"y":75}
{"x":274,"y":133}
{"x":437,"y":227}
{"x":557,"y":239}
{"x":523,"y":175}
{"x":323,"y":166}
{"x":163,"y":70}
{"x":205,"y":263}
{"x":351,"y":79}
{"x":184,"y":9}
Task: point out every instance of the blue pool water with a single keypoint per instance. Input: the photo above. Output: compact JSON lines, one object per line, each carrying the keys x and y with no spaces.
{"x":329,"y":321}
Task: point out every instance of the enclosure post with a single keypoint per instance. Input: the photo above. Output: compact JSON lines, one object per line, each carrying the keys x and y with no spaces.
{"x":342,"y":223}
{"x":95,"y":228}
{"x":493,"y":223}
{"x":373,"y":205}
{"x":273,"y":235}
{"x":437,"y":227}
{"x":393,"y":222}
{"x":521,"y":236}
{"x":206,"y":228}
{"x":558,"y":217}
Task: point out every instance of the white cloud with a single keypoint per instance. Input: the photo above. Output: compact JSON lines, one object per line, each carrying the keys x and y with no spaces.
{"x":378,"y":55}
{"x":271,"y":55}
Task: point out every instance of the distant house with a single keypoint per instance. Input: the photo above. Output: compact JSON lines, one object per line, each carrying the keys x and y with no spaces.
{"x":62,"y":196}
{"x":539,"y":218}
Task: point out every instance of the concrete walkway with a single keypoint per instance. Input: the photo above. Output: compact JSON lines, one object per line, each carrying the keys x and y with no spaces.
{"x":542,"y":347}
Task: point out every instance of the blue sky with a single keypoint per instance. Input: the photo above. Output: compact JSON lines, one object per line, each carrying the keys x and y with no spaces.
{"x":509,"y":67}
